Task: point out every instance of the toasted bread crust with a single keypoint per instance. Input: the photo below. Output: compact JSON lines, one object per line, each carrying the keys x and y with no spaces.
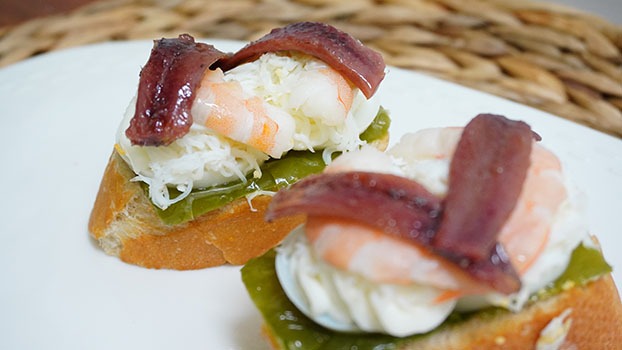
{"x":595,"y":314}
{"x":125,"y":224}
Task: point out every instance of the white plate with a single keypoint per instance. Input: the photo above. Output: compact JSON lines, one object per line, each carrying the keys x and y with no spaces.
{"x":59,"y":113}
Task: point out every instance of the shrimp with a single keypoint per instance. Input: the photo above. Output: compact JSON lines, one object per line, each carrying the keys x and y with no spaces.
{"x":378,"y":257}
{"x":365,"y":250}
{"x":375,"y":161}
{"x":322,"y":90}
{"x":224,"y":107}
{"x":276,"y":104}
{"x":528,"y":228}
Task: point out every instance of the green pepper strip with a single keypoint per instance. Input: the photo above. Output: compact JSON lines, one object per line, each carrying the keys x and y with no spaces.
{"x":293,"y":330}
{"x":276,"y":174}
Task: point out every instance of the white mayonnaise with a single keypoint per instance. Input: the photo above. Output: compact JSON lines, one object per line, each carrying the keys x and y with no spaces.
{"x":554,"y":334}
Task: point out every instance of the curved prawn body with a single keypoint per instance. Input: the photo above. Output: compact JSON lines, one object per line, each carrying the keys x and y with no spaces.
{"x":528,"y":228}
{"x":383,"y":259}
{"x":224,"y":107}
{"x":319,"y":90}
{"x":379,"y":258}
{"x":274,"y":107}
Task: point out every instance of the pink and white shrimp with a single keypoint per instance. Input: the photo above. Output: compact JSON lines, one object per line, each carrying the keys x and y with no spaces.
{"x":223,"y":106}
{"x":383,"y":259}
{"x":321,"y":90}
{"x":276,"y":103}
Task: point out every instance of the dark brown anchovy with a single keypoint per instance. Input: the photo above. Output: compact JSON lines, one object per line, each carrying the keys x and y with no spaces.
{"x":167,"y":88}
{"x":486,"y":176}
{"x":397,"y":205}
{"x":359,"y":64}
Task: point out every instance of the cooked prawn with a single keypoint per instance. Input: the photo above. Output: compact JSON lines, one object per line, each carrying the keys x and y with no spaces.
{"x":378,"y":257}
{"x":320,"y":90}
{"x":224,"y":107}
{"x":272,"y":115}
{"x":367,"y":251}
{"x":527,"y":230}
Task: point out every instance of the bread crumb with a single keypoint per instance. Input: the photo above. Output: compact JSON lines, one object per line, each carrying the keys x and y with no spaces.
{"x":500,"y":340}
{"x":568,"y":285}
{"x":555,"y":332}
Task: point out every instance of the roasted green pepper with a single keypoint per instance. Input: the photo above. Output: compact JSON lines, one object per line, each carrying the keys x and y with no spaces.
{"x":295,"y":331}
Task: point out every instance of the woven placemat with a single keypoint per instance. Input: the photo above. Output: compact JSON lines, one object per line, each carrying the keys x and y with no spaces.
{"x":552,"y":57}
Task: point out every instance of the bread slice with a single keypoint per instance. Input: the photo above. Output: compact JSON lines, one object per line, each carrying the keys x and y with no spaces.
{"x":593,"y":312}
{"x":125,"y":224}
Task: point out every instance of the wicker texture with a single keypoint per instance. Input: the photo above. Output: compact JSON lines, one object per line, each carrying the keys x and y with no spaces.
{"x":554,"y":58}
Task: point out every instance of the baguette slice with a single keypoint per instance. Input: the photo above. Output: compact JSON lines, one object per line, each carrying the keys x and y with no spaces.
{"x":125,"y":224}
{"x":593,"y":311}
